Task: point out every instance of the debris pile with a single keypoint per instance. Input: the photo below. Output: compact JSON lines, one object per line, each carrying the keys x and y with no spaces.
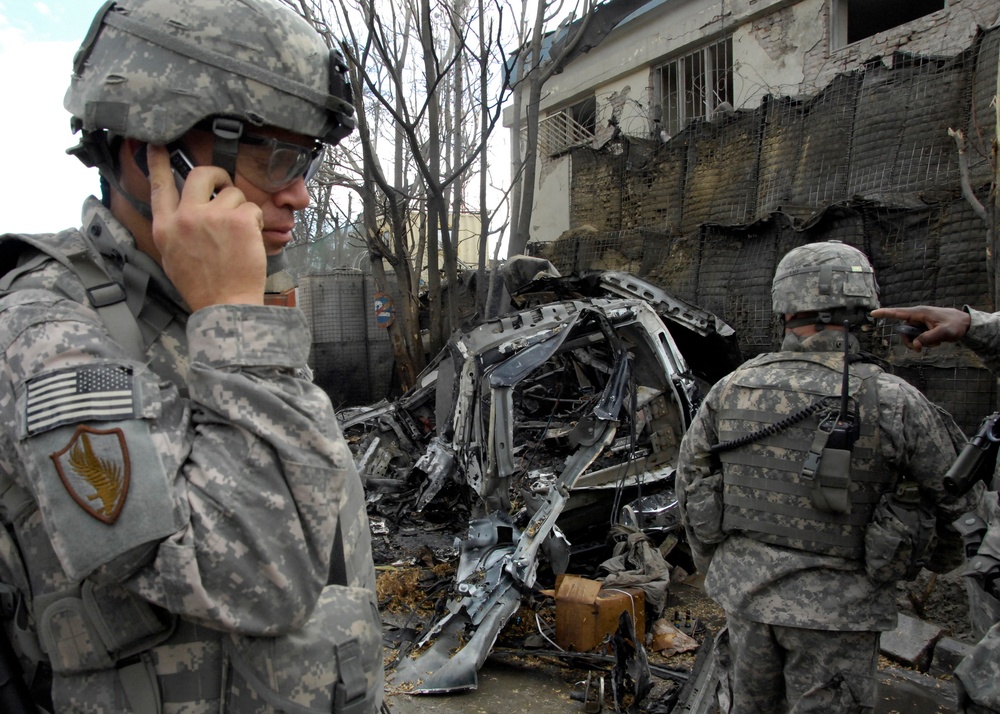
{"x":537,"y":444}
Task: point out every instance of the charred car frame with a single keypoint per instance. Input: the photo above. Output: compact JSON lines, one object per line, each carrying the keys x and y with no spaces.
{"x":552,"y":417}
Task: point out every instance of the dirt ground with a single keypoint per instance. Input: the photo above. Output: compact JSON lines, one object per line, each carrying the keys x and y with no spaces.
{"x":940,"y":599}
{"x":415,"y":567}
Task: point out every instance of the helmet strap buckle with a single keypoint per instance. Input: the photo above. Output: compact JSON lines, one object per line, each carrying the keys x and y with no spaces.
{"x":227,"y":143}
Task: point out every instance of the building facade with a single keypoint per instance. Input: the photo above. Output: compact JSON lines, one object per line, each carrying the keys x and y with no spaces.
{"x":677,"y":61}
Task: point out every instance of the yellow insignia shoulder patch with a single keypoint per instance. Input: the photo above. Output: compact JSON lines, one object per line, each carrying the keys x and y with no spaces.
{"x":94,"y":467}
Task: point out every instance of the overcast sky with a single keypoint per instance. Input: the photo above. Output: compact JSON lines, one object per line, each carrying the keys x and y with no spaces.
{"x":41,"y":188}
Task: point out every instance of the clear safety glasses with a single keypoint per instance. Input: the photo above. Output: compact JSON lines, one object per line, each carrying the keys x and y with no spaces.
{"x":272,"y":165}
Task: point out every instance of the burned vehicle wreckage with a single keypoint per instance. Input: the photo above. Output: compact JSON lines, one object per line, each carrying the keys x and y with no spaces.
{"x":553,"y":422}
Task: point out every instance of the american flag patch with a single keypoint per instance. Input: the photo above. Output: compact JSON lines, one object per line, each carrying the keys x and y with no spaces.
{"x":88,"y":393}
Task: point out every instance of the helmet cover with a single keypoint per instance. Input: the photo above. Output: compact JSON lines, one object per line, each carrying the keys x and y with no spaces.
{"x":819,"y":277}
{"x":153,"y":69}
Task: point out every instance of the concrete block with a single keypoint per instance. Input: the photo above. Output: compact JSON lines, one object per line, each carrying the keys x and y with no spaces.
{"x":901,"y":690}
{"x":912,"y":642}
{"x":947,"y":654}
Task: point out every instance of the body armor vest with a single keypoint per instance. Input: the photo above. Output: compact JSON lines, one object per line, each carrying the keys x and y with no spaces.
{"x":765,"y":494}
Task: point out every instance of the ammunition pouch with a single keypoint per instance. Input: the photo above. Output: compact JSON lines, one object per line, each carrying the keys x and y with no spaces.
{"x":900,"y":538}
{"x":703,"y":509}
{"x":91,"y":628}
{"x":97,"y":627}
{"x":980,"y":531}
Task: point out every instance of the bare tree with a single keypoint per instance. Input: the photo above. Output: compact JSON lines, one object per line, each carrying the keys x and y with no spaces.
{"x":984,"y":144}
{"x":420,"y":137}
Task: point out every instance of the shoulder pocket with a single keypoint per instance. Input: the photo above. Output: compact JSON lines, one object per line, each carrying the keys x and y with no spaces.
{"x":97,"y":473}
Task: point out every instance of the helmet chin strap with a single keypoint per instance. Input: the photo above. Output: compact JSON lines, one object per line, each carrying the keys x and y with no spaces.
{"x":227,"y":144}
{"x":141,"y":207}
{"x":95,"y":150}
{"x":827,"y":318}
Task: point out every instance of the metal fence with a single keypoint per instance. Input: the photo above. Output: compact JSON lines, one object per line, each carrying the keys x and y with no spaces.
{"x":351,"y":356}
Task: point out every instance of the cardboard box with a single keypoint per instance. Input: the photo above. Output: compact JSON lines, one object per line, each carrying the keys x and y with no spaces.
{"x":285,"y":298}
{"x":586,"y":614}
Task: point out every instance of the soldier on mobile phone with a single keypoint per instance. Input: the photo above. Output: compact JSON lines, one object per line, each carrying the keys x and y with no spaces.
{"x":184,"y":529}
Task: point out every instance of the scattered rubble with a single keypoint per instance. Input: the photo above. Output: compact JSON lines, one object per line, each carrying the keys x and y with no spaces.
{"x":533,"y":464}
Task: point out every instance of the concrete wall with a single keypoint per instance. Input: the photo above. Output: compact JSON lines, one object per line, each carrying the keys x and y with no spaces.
{"x":550,"y":214}
{"x":946,"y":32}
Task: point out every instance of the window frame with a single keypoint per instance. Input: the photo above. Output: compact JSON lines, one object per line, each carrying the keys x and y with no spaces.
{"x":692,"y":86}
{"x":567,"y":128}
{"x":839,"y":23}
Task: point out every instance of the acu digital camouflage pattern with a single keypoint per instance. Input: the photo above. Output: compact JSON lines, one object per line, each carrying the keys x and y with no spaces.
{"x":764,"y":493}
{"x":830,"y":672}
{"x":781,"y":586}
{"x":252,"y":60}
{"x":823,"y":276}
{"x":251,"y":475}
{"x":978,"y":676}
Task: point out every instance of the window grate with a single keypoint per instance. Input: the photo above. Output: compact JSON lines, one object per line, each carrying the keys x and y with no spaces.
{"x":694,"y":85}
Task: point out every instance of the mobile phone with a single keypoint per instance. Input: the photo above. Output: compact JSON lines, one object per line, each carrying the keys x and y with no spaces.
{"x":911,"y":331}
{"x":180,"y":163}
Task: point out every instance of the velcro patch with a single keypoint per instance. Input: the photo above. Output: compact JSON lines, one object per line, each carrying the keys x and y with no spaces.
{"x":95,"y":469}
{"x":102,"y":392}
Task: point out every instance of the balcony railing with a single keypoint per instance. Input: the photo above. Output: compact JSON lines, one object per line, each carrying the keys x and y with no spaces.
{"x":560,"y":133}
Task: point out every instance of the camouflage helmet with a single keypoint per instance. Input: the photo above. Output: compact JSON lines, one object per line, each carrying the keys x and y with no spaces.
{"x":824,"y":277}
{"x":153,"y":69}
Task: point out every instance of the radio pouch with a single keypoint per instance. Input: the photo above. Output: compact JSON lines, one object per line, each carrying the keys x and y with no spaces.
{"x":828,"y":472}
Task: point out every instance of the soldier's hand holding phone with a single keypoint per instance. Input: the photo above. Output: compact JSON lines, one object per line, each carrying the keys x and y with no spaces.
{"x":207,"y":234}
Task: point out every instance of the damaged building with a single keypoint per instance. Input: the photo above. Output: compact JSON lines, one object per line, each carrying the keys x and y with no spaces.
{"x":721,"y":135}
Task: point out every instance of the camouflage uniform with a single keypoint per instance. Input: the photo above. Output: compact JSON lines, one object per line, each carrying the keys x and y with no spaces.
{"x":978,"y":676}
{"x":790,"y":609}
{"x":225,"y":477}
{"x":184,"y":527}
{"x":804,"y":561}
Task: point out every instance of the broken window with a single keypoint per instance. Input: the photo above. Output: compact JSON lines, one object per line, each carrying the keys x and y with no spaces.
{"x":853,"y":20}
{"x":692,"y":86}
{"x":570,"y":127}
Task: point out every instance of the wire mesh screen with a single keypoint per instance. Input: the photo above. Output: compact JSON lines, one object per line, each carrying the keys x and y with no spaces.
{"x":868,"y":161}
{"x":721,"y":181}
{"x":901,"y":144}
{"x":351,"y":356}
{"x":596,"y":201}
{"x":655,"y":185}
{"x":734,"y":279}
